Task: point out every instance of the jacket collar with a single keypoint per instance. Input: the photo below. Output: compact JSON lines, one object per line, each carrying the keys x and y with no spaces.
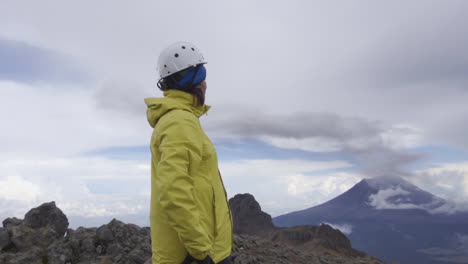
{"x":173,"y":99}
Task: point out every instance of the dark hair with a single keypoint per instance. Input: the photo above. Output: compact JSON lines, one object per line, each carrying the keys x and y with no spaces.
{"x":170,"y":83}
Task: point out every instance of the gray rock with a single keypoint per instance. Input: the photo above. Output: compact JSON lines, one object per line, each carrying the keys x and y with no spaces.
{"x":104,"y":234}
{"x":33,"y":256}
{"x":60,"y":253}
{"x":87,"y":245}
{"x":120,"y":243}
{"x":47,"y":215}
{"x":99,"y":249}
{"x":11,"y":221}
{"x":114,"y":249}
{"x":24,"y":237}
{"x":138,"y":256}
{"x":4,"y":238}
{"x":21,"y":237}
{"x":248,"y":216}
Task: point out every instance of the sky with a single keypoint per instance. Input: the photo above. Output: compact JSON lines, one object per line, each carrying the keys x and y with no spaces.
{"x":308,"y":98}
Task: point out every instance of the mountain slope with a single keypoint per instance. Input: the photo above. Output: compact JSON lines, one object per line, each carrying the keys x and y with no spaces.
{"x":391,"y":219}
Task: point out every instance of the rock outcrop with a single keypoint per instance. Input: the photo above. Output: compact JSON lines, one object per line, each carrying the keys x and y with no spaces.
{"x":251,"y":220}
{"x":248,"y":216}
{"x":36,"y":241}
{"x":40,"y":239}
{"x":254,"y":250}
{"x":46,"y":215}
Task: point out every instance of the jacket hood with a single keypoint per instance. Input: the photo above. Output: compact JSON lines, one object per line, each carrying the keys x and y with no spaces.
{"x":173,"y":99}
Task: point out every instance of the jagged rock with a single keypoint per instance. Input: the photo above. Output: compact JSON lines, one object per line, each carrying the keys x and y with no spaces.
{"x":4,"y":238}
{"x":120,"y":243}
{"x":11,"y":221}
{"x":321,"y":238}
{"x":60,"y":253}
{"x":23,"y":237}
{"x":254,"y":250}
{"x":249,"y":219}
{"x":33,"y":255}
{"x":47,"y":215}
{"x":105,"y":234}
{"x":248,"y":216}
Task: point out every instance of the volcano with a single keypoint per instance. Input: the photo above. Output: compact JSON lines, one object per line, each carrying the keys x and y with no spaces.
{"x":394,"y":220}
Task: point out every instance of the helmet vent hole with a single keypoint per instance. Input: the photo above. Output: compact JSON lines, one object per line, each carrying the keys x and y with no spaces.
{"x":165,"y":66}
{"x":168,"y":72}
{"x":183,"y":47}
{"x":193,"y":49}
{"x":176,"y":55}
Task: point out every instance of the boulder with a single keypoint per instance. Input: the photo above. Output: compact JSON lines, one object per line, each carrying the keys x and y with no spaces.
{"x":11,"y":221}
{"x":24,"y":237}
{"x":104,"y":234}
{"x":4,"y":238}
{"x":32,"y":256}
{"x":47,"y":215}
{"x":248,"y":216}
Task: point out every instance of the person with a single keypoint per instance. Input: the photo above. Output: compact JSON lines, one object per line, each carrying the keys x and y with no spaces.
{"x":190,"y":218}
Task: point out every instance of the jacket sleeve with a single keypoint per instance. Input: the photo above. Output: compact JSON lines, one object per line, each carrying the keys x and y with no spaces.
{"x":180,"y":145}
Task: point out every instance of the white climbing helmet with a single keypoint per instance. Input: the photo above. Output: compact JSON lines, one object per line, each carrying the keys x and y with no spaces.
{"x":177,"y":57}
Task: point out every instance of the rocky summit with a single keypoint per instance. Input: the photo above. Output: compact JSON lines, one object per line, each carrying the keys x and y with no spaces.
{"x":43,"y":237}
{"x":322,"y":240}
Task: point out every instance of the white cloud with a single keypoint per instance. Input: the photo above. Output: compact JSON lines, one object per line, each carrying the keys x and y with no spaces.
{"x":448,"y":180}
{"x":43,"y":121}
{"x":82,"y":186}
{"x":380,"y":199}
{"x":401,"y":136}
{"x":282,"y":186}
{"x":314,"y":144}
{"x":326,"y":185}
{"x":17,"y":188}
{"x":346,"y":229}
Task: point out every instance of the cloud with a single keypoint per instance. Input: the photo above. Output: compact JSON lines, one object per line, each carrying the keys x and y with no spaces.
{"x":23,"y":62}
{"x":122,"y":97}
{"x":16,"y":188}
{"x":378,"y":148}
{"x":87,"y":187}
{"x":449,"y":180}
{"x":346,"y":229}
{"x":400,"y":198}
{"x":59,"y":123}
{"x":379,"y":200}
{"x":282,"y":186}
{"x":94,"y":187}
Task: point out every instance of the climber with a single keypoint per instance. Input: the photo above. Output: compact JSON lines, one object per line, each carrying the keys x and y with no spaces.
{"x":190,"y":218}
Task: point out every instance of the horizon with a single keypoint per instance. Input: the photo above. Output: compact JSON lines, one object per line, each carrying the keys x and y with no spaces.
{"x":377,"y":201}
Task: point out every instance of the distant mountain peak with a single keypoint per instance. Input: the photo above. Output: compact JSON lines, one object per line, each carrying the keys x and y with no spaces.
{"x":387,"y":216}
{"x":397,"y":193}
{"x":382,"y":183}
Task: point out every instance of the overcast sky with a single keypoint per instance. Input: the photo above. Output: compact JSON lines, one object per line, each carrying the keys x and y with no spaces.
{"x":308,"y":98}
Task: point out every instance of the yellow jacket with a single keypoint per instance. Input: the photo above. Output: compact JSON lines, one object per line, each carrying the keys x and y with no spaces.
{"x":189,"y":208}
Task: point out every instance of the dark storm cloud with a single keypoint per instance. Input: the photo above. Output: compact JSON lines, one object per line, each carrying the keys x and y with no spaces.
{"x":363,"y":139}
{"x":301,"y":125}
{"x":27,"y":63}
